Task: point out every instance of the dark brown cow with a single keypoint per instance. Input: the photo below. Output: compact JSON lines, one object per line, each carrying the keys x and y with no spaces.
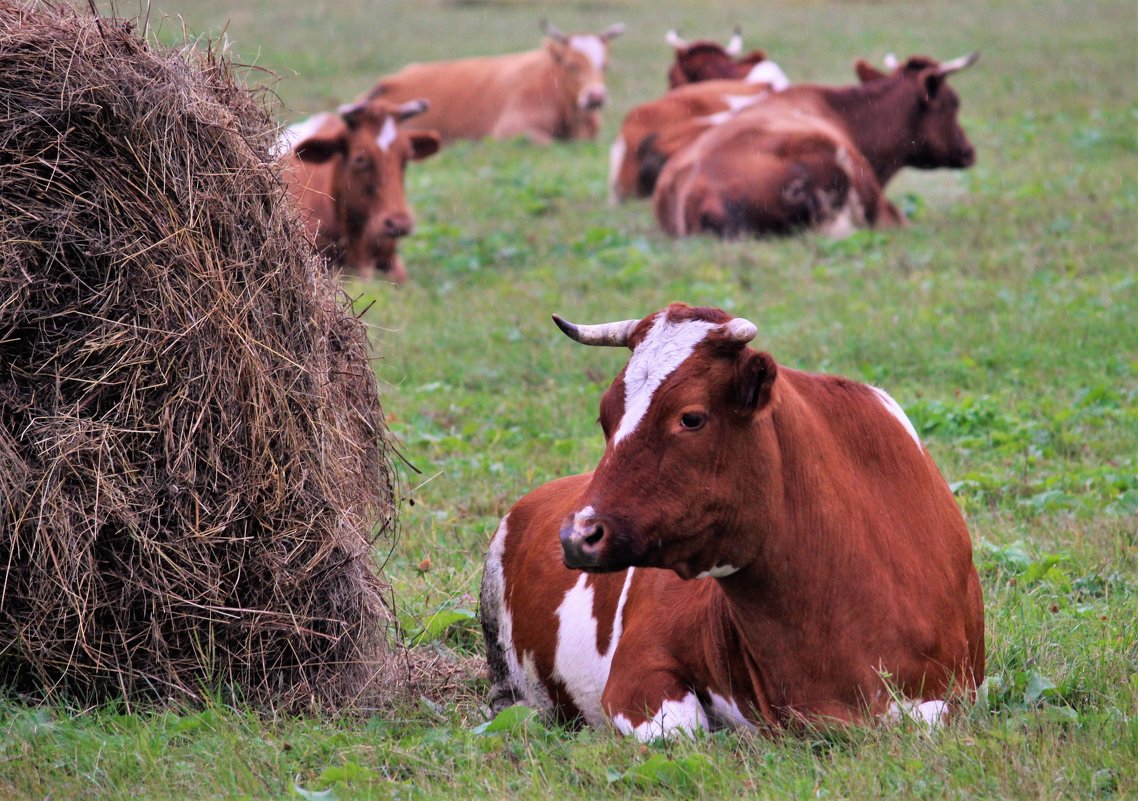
{"x":815,"y":156}
{"x":809,"y":562}
{"x":346,"y":172}
{"x":653,"y":132}
{"x":550,"y":93}
{"x":705,"y":60}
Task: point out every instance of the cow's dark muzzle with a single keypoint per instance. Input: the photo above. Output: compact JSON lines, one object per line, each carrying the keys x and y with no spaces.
{"x":587,"y":544}
{"x":398,"y":225}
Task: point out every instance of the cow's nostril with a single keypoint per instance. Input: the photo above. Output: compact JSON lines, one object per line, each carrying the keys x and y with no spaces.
{"x":596,"y":535}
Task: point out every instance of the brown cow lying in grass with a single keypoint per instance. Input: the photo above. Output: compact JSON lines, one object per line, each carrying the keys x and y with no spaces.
{"x":815,"y":156}
{"x":345,"y":171}
{"x":545,"y":94}
{"x":758,"y":547}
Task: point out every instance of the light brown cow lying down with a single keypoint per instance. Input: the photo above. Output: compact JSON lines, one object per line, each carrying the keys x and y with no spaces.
{"x":545,"y":94}
{"x":816,"y":156}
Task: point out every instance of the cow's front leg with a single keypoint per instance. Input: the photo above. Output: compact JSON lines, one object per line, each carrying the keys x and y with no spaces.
{"x":650,"y":704}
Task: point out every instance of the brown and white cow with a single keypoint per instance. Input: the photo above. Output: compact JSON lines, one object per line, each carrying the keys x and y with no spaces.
{"x":758,"y":547}
{"x":545,"y":94}
{"x":705,"y":60}
{"x":654,"y":131}
{"x":345,"y":172}
{"x":816,"y":156}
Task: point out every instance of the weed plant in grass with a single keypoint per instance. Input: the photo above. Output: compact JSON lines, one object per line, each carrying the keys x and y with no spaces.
{"x":1005,"y":320}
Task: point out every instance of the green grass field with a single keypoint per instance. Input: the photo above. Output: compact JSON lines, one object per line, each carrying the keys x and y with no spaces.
{"x":1004,"y":320}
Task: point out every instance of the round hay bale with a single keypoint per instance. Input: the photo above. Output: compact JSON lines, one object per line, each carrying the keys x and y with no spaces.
{"x":194,"y":466}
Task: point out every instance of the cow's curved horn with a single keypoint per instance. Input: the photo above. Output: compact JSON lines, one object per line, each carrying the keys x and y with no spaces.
{"x":551,"y":30}
{"x":413,"y":107}
{"x":735,"y":45}
{"x":673,"y":38}
{"x":957,"y":64}
{"x":891,"y":62}
{"x":740,"y":330}
{"x":614,"y":335}
{"x":612,"y":31}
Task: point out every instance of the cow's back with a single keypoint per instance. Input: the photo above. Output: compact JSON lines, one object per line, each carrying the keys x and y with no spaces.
{"x":468,"y":97}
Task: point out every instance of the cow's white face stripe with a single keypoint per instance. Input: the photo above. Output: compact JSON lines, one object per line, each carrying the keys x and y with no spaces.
{"x":664,"y":349}
{"x":387,"y":134}
{"x":896,"y":411}
{"x":685,"y":716}
{"x":577,"y":664}
{"x":768,"y":72}
{"x":592,"y":47}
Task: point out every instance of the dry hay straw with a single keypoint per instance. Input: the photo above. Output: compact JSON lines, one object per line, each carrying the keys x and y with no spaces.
{"x":193,"y":461}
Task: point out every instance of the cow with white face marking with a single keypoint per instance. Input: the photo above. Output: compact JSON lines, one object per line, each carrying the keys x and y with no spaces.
{"x":550,"y":93}
{"x":758,"y":547}
{"x":345,"y":172}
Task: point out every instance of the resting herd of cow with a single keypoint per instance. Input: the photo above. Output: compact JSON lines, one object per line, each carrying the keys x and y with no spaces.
{"x":812,"y":567}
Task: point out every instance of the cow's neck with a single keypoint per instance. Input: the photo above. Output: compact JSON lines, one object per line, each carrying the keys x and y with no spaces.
{"x":876,"y":121}
{"x":780,"y":607}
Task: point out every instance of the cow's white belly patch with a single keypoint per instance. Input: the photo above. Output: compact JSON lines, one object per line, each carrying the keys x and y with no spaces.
{"x":577,"y":664}
{"x":725,"y":712}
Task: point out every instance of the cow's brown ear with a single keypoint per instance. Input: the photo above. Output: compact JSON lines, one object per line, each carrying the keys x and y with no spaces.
{"x":424,"y":144}
{"x":866,"y":72}
{"x":320,"y":149}
{"x":556,"y":50}
{"x":930,"y":80}
{"x":754,"y":378}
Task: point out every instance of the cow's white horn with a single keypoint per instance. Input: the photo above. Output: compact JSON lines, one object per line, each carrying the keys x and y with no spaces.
{"x":612,"y":31}
{"x":957,"y":64}
{"x":609,"y":334}
{"x":735,"y":45}
{"x":891,"y":62}
{"x":551,"y":30}
{"x":413,"y":107}
{"x":740,"y":330}
{"x":673,"y":38}
{"x":351,"y":108}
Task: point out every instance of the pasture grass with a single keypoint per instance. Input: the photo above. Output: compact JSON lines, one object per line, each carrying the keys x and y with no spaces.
{"x":1005,"y":321}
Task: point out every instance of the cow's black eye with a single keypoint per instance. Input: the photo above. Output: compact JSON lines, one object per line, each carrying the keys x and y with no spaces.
{"x":693,"y":420}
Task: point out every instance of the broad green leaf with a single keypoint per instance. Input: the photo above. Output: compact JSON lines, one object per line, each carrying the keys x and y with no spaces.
{"x":509,"y":719}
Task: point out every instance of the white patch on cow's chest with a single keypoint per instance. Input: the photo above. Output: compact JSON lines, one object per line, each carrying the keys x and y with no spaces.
{"x":591,"y":47}
{"x":719,"y":571}
{"x":577,"y":664}
{"x":930,"y":713}
{"x":662,"y":351}
{"x":896,"y":411}
{"x":387,"y":134}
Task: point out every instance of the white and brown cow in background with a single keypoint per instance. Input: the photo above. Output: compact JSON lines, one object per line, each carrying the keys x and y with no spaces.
{"x":550,"y":93}
{"x":345,"y":172}
{"x":758,"y":547}
{"x":705,"y":60}
{"x":816,"y":156}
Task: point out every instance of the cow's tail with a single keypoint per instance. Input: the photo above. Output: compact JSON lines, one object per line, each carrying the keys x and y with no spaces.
{"x":497,"y":625}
